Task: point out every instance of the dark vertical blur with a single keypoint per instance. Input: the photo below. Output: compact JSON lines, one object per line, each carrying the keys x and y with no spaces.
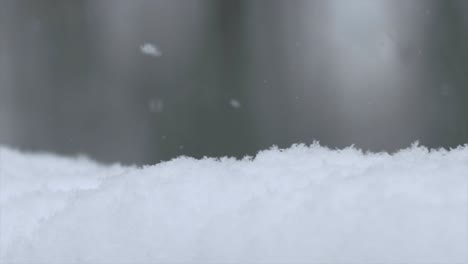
{"x":233,"y":77}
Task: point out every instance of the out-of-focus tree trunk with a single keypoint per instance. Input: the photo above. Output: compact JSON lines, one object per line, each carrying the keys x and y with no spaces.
{"x":446,"y":39}
{"x":215,"y":124}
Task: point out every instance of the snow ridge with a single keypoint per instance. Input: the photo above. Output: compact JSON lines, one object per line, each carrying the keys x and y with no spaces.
{"x":304,"y":204}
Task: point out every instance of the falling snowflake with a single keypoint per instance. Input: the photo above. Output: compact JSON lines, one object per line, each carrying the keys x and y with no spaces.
{"x":150,"y":49}
{"x":156,"y":105}
{"x":235,"y":103}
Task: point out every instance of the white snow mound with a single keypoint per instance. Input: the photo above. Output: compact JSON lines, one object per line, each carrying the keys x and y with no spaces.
{"x":305,"y":204}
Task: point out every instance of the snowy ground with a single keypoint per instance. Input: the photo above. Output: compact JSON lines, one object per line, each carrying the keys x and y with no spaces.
{"x":303,"y":204}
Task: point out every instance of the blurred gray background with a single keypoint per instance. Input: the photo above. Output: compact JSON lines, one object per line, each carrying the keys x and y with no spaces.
{"x":233,"y":77}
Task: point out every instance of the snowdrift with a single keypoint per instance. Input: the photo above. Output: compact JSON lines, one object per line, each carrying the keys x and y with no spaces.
{"x":305,"y":204}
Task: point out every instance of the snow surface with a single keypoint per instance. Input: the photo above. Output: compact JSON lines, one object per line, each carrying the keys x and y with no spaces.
{"x":305,"y":204}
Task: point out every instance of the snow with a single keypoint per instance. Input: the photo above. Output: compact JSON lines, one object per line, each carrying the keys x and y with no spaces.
{"x":150,"y":49}
{"x":156,"y":105}
{"x":305,"y":204}
{"x":235,"y":104}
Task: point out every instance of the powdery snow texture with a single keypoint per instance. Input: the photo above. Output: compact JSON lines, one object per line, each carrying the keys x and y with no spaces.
{"x":305,"y":204}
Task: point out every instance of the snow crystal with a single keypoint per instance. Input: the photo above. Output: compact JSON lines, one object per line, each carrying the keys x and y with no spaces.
{"x":235,"y":103}
{"x":150,"y":49}
{"x":305,"y":204}
{"x":156,"y":105}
